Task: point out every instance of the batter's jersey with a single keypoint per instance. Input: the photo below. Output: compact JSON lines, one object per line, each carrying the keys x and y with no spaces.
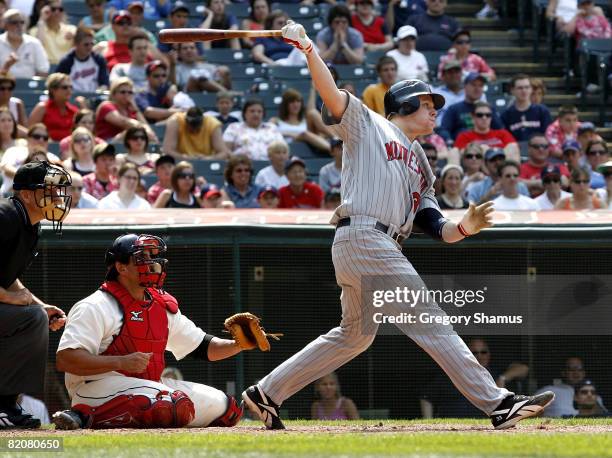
{"x":384,"y":174}
{"x":94,"y":321}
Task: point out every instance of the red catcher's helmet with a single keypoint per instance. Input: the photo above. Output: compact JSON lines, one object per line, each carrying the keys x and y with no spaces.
{"x":147,"y":252}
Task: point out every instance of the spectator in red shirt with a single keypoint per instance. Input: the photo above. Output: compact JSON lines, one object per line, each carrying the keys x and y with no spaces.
{"x":564,"y":128}
{"x":589,"y":22}
{"x":539,"y":158}
{"x":117,"y":51}
{"x":470,"y":62}
{"x":268,"y":197}
{"x":57,"y":113}
{"x":299,"y":193}
{"x":484,"y":135}
{"x":376,"y":35}
{"x":163,"y":169}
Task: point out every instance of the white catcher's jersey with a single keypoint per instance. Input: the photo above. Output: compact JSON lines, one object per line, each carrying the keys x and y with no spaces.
{"x":384,"y":174}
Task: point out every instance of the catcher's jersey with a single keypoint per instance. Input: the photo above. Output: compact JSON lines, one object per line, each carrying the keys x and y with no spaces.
{"x":384,"y":174}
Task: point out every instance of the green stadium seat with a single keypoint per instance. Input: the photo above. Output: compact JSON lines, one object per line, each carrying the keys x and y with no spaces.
{"x":297,"y":11}
{"x":149,"y":180}
{"x":355,"y":72}
{"x":240,"y":10}
{"x":288,"y":73}
{"x":76,"y":8}
{"x":228,"y":56}
{"x":211,"y":170}
{"x":372,"y":57}
{"x":313,"y":26}
{"x":500,"y":102}
{"x":270,"y":101}
{"x":35,"y":83}
{"x":303,"y":150}
{"x":247,"y":71}
{"x":160,"y":130}
{"x":54,"y":148}
{"x":207,"y":100}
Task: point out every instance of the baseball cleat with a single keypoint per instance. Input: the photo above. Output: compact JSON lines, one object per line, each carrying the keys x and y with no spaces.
{"x":16,"y":418}
{"x":516,"y":408}
{"x":262,"y":406}
{"x":67,"y":420}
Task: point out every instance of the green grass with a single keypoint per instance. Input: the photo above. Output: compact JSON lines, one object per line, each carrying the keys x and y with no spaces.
{"x":470,"y":438}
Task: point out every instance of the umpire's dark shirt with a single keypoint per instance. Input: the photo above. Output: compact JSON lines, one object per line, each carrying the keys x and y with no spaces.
{"x":18,"y":240}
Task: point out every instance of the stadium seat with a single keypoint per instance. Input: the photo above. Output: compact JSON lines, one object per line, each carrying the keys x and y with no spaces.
{"x":240,"y":10}
{"x":35,"y":83}
{"x":372,"y":57}
{"x":207,"y":100}
{"x":54,"y":148}
{"x":76,"y":8}
{"x":303,"y":150}
{"x":212,"y":171}
{"x":355,"y":72}
{"x":270,"y":101}
{"x":296,"y":11}
{"x":227,"y":55}
{"x":160,"y":130}
{"x":500,"y":102}
{"x":524,"y":149}
{"x":314,"y":165}
{"x":149,"y":180}
{"x":247,"y":71}
{"x":288,"y":73}
{"x":313,"y":26}
{"x":598,"y":50}
{"x":433,"y":60}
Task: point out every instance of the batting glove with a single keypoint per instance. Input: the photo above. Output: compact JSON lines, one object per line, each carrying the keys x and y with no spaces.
{"x":476,"y":219}
{"x":295,"y":35}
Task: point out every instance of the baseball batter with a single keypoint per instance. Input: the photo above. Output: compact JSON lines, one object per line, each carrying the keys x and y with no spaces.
{"x":112,"y":350}
{"x":387,"y":185}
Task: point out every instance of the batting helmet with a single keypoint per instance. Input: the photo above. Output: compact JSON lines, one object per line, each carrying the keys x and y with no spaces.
{"x":147,"y":252}
{"x":403,"y":97}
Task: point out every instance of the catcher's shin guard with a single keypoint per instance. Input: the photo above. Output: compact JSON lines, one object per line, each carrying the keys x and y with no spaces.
{"x":139,"y":411}
{"x":232,"y":415}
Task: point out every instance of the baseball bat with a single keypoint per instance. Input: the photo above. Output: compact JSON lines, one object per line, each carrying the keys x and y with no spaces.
{"x":187,"y":35}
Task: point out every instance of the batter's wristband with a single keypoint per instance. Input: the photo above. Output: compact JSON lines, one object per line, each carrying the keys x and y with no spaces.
{"x":462,"y":230}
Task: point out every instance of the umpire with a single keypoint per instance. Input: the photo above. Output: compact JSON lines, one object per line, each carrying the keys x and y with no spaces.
{"x":40,"y":193}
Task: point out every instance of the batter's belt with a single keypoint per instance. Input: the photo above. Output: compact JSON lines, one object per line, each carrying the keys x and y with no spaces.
{"x":398,"y":237}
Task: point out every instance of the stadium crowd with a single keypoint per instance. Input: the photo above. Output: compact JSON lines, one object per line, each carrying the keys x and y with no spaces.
{"x":138,"y":123}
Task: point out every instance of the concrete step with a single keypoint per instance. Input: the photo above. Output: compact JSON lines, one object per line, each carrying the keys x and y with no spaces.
{"x":508,"y":69}
{"x":472,"y":23}
{"x":463,"y":9}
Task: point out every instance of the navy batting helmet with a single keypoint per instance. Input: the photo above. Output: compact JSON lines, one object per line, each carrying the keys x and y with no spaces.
{"x":403,"y":97}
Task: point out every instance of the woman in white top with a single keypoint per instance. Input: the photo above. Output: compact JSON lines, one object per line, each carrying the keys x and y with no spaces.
{"x":15,"y":105}
{"x":125,"y":198}
{"x":137,"y":144}
{"x":82,"y":143}
{"x":561,"y":11}
{"x":291,"y":121}
{"x":8,"y":130}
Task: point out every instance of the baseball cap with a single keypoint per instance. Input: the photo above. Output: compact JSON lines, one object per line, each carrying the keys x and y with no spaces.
{"x":584,"y":383}
{"x":605,"y":167}
{"x":473,"y":76}
{"x":154,"y":65}
{"x":586,"y":127}
{"x":30,"y":175}
{"x":266,"y":190}
{"x":103,"y":149}
{"x":211,"y":193}
{"x":460,"y":32}
{"x":492,"y":153}
{"x":135,"y":4}
{"x":10,"y":13}
{"x":179,"y":6}
{"x":405,"y":31}
{"x":549,"y":170}
{"x":569,"y":145}
{"x":295,"y":160}
{"x":121,"y":14}
{"x":194,"y":116}
{"x":164,"y":159}
{"x":450,"y":64}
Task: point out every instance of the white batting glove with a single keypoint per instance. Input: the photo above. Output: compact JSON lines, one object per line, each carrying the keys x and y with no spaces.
{"x":476,"y":218}
{"x":295,"y":35}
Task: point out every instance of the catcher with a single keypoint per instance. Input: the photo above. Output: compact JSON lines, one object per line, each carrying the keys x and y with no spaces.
{"x":112,"y":350}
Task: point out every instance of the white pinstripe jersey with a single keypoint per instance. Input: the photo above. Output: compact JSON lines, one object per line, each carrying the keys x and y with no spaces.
{"x":384,"y":174}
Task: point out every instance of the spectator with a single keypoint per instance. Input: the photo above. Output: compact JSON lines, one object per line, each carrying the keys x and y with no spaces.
{"x":458,"y":116}
{"x":86,"y":69}
{"x":470,"y":62}
{"x":13,"y":158}
{"x":605,"y":194}
{"x":253,"y":135}
{"x":163,"y":170}
{"x":397,"y":12}
{"x":53,"y":32}
{"x":511,"y":198}
{"x":156,"y":103}
{"x":81,"y":152}
{"x":582,"y":198}
{"x":339,"y":42}
{"x":102,"y":181}
{"x":83,"y":118}
{"x":183,"y":185}
{"x":333,"y":199}
{"x":135,"y":9}
{"x":292,"y":124}
{"x":137,"y":151}
{"x":473,"y":166}
{"x":573,"y":374}
{"x":562,"y":12}
{"x":376,"y":35}
{"x":117,"y":51}
{"x":20,"y":54}
{"x":331,"y":173}
{"x":524,"y":118}
{"x":451,"y":197}
{"x":57,"y":113}
{"x":586,"y":134}
{"x":539,"y":91}
{"x":8,"y":130}
{"x":268,"y":197}
{"x":125,"y":198}
{"x":589,"y":22}
{"x":270,"y":49}
{"x":80,"y":198}
{"x":435,"y":28}
{"x":274,"y":174}
{"x":585,"y":400}
{"x":482,"y":134}
{"x":238,"y":187}
{"x":153,"y":9}
{"x":489,"y":10}
{"x":565,"y":127}
{"x":258,"y":12}
{"x":192,"y":135}
{"x":194,"y":75}
{"x":98,"y":15}
{"x":299,"y":193}
{"x":452,"y":90}
{"x":14,"y":104}
{"x":179,"y":19}
{"x":136,"y":68}
{"x":217,"y":18}
{"x":572,"y":155}
{"x":411,"y":63}
{"x":596,"y":155}
{"x":224,"y":104}
{"x":551,"y":181}
{"x":120,"y":112}
{"x":431,"y":152}
{"x":374,"y":95}
{"x":539,"y":158}
{"x":329,"y":403}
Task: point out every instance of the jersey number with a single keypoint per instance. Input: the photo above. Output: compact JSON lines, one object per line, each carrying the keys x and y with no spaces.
{"x":416,"y":201}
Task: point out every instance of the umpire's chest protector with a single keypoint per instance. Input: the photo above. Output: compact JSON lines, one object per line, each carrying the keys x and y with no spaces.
{"x":144,"y":328}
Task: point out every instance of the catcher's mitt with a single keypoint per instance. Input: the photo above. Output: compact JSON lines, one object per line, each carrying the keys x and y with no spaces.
{"x":247,"y":332}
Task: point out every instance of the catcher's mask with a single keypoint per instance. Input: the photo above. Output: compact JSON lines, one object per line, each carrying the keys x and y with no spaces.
{"x":146,"y":251}
{"x":50,"y":184}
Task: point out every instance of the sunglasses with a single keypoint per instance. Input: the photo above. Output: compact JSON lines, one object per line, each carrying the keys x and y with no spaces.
{"x":138,"y":137}
{"x":125,"y":91}
{"x":39,"y":137}
{"x":159,"y":75}
{"x":593,"y":392}
{"x":55,"y":9}
{"x":189,"y":176}
{"x":15,"y":22}
{"x":511,"y":175}
{"x":597,"y":152}
{"x":242,"y":170}
{"x":6,"y":88}
{"x":551,"y":180}
{"x":123,"y":22}
{"x":82,"y":140}
{"x":462,"y":42}
{"x":483,"y":115}
{"x":473,"y":156}
{"x":538,"y":145}
{"x":581,"y":181}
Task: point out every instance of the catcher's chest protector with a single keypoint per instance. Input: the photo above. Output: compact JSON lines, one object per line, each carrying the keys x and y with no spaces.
{"x":144,"y":329}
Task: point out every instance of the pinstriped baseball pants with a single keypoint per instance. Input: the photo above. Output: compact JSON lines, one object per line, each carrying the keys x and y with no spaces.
{"x":357,"y":252}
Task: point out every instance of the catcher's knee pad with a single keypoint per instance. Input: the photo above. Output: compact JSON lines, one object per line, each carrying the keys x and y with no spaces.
{"x":139,"y":411}
{"x":232,"y":415}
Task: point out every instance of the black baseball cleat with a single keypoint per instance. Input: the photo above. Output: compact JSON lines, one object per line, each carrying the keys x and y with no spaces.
{"x":262,"y":406}
{"x":67,"y":420}
{"x":516,"y":408}
{"x":16,"y":418}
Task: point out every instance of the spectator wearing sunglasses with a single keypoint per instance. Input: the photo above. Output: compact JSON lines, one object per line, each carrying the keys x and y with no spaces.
{"x":539,"y":159}
{"x":470,"y":62}
{"x":551,"y":182}
{"x":581,"y":198}
{"x":597,"y":154}
{"x":57,"y":113}
{"x":473,"y":167}
{"x":80,"y":197}
{"x":238,"y":178}
{"x":21,"y":54}
{"x":511,"y":199}
{"x":156,"y":103}
{"x":14,"y":104}
{"x":53,"y":31}
{"x":136,"y":145}
{"x":605,"y":194}
{"x":183,"y":189}
{"x":586,"y":401}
